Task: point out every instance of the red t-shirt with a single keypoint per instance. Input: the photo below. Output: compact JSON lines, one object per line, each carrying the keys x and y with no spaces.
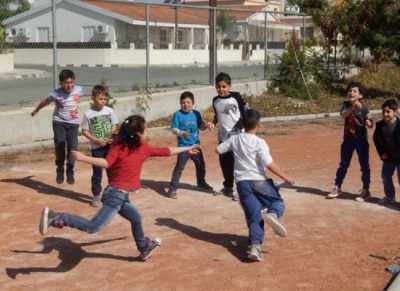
{"x":126,"y":164}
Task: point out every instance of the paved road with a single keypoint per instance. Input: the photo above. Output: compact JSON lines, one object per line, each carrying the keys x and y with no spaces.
{"x":17,"y":93}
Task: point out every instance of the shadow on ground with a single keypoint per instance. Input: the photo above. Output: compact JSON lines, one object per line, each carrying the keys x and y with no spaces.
{"x":70,"y":254}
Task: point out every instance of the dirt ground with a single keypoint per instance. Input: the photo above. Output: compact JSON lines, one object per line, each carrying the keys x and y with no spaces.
{"x":331,"y":244}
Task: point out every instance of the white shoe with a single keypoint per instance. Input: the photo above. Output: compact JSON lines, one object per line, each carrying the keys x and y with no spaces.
{"x":334,"y":193}
{"x":272,"y":220}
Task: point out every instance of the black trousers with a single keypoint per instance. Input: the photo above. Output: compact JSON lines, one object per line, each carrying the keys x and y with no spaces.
{"x":65,"y":139}
{"x":227,"y":162}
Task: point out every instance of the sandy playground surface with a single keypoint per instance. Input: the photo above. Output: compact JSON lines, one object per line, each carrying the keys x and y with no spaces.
{"x":331,"y":245}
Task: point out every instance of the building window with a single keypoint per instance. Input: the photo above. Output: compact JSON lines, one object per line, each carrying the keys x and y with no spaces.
{"x":43,"y":34}
{"x":88,"y":33}
{"x":180,"y":35}
{"x":163,"y":35}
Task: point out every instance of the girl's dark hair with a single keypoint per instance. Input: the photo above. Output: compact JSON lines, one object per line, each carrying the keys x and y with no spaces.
{"x":66,"y":74}
{"x":129,"y":131}
{"x":223,"y":77}
{"x":358,"y":85}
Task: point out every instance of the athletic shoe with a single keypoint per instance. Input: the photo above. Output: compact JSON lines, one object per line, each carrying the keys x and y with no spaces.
{"x":60,"y":175}
{"x":152,"y":244}
{"x":96,"y":201}
{"x":171,"y":193}
{"x":272,"y":220}
{"x":254,"y":253}
{"x":205,"y":187}
{"x":364,"y":195}
{"x":70,"y":177}
{"x":46,"y":219}
{"x":335,"y":193}
{"x":387,"y":201}
{"x":228,"y":192}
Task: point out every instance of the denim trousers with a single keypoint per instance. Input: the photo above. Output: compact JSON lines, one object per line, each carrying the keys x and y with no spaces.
{"x":199,"y":164}
{"x":98,"y":171}
{"x":65,"y":138}
{"x":348,"y":147}
{"x":388,"y":169}
{"x":114,"y":201}
{"x":255,"y":196}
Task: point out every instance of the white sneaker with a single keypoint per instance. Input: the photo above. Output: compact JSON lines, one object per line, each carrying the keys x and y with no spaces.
{"x":272,"y":220}
{"x":334,"y":193}
{"x":255,"y":253}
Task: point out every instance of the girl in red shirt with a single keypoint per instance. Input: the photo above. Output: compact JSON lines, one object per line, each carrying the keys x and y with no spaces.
{"x":125,"y":161}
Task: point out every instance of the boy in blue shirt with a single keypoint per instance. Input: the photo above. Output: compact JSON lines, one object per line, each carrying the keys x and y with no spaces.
{"x":185,"y":125}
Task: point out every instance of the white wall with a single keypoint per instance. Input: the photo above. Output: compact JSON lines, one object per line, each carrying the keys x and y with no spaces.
{"x":6,"y":63}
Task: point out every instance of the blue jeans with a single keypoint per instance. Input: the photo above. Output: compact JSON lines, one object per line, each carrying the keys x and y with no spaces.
{"x":388,"y":169}
{"x":198,"y":161}
{"x":346,"y":153}
{"x":255,"y":196}
{"x":98,"y":171}
{"x":114,"y":201}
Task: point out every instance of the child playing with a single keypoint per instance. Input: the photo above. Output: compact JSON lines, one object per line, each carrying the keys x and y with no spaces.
{"x":355,"y":113}
{"x":65,"y":122}
{"x":387,"y":143}
{"x":259,"y":197}
{"x":98,"y":124}
{"x":125,"y":161}
{"x":228,"y":108}
{"x":186,"y":124}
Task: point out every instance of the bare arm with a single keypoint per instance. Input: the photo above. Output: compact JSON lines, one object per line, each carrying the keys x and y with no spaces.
{"x":194,"y":149}
{"x":100,"y":162}
{"x":98,"y":141}
{"x":42,"y":104}
{"x":273,"y":168}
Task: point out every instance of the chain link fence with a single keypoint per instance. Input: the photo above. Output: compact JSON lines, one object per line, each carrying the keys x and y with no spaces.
{"x":132,"y":46}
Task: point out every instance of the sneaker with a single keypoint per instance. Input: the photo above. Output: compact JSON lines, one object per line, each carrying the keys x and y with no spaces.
{"x":228,"y":192}
{"x":171,"y":193}
{"x":152,"y":244}
{"x":70,"y":177}
{"x":60,"y":176}
{"x":272,"y":220}
{"x":335,"y":193}
{"x":364,"y":195}
{"x":205,"y":187}
{"x":96,"y":201}
{"x":46,"y":219}
{"x":387,"y":201}
{"x":254,"y":253}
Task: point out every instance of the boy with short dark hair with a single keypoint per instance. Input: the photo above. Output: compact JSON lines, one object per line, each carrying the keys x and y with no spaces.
{"x":229,"y":108}
{"x":355,"y":138}
{"x":258,"y":195}
{"x":65,"y":122}
{"x":98,"y":125}
{"x":186,"y":124}
{"x":387,"y":143}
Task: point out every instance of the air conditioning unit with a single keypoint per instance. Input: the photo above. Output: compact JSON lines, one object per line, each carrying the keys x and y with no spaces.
{"x":103,"y":29}
{"x":10,"y":33}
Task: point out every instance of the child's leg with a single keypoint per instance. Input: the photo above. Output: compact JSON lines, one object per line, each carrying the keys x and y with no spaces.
{"x":199,"y":163}
{"x":72,"y":144}
{"x":268,"y":195}
{"x":97,"y":171}
{"x":388,"y":169}
{"x":131,"y":213}
{"x":346,"y":153}
{"x":180,"y":165}
{"x":60,"y":138}
{"x":252,"y":209}
{"x":226,"y":162}
{"x":362,"y":149}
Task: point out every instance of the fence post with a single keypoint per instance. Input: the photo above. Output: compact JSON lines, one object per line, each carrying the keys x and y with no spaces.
{"x":265,"y":45}
{"x":212,"y":41}
{"x":147,"y":48}
{"x":54,"y":28}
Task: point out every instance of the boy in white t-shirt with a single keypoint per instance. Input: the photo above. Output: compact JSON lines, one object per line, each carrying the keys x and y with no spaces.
{"x":98,"y":125}
{"x":258,"y":195}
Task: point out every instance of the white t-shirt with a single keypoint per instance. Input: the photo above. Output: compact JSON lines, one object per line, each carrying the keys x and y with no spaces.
{"x":66,"y":109}
{"x":99,"y":123}
{"x":251,"y":153}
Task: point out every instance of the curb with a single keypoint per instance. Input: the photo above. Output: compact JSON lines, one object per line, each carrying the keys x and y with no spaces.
{"x":47,"y":143}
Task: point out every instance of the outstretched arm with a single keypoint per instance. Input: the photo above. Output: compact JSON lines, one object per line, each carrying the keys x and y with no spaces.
{"x":42,"y":104}
{"x":99,"y":162}
{"x":194,"y":149}
{"x":273,"y":168}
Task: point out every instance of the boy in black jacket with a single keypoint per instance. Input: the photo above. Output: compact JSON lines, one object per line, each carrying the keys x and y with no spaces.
{"x":387,"y":143}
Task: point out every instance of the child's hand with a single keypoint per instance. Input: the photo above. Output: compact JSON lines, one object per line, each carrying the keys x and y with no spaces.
{"x":77,"y":155}
{"x":290,"y":181}
{"x":210,"y":125}
{"x":194,"y":149}
{"x":384,"y":156}
{"x":101,"y":142}
{"x":369,"y":123}
{"x":184,"y":134}
{"x":33,"y":113}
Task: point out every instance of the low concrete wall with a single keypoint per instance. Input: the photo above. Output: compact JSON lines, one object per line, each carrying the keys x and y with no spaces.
{"x":18,"y":127}
{"x":6,"y":63}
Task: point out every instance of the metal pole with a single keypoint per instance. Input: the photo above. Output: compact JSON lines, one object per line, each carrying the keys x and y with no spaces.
{"x":54,"y":20}
{"x":304,"y":31}
{"x":147,"y":48}
{"x":211,"y":42}
{"x":265,"y":45}
{"x":176,"y":27}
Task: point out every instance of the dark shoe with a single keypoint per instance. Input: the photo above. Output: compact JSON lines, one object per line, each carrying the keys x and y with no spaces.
{"x":60,"y":176}
{"x":70,"y":176}
{"x":229,"y":192}
{"x":46,"y":219}
{"x":205,"y":187}
{"x":387,"y":201}
{"x":171,"y":193}
{"x":152,"y":244}
{"x":364,"y":195}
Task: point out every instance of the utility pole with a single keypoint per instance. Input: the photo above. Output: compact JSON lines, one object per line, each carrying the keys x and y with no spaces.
{"x":212,"y":22}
